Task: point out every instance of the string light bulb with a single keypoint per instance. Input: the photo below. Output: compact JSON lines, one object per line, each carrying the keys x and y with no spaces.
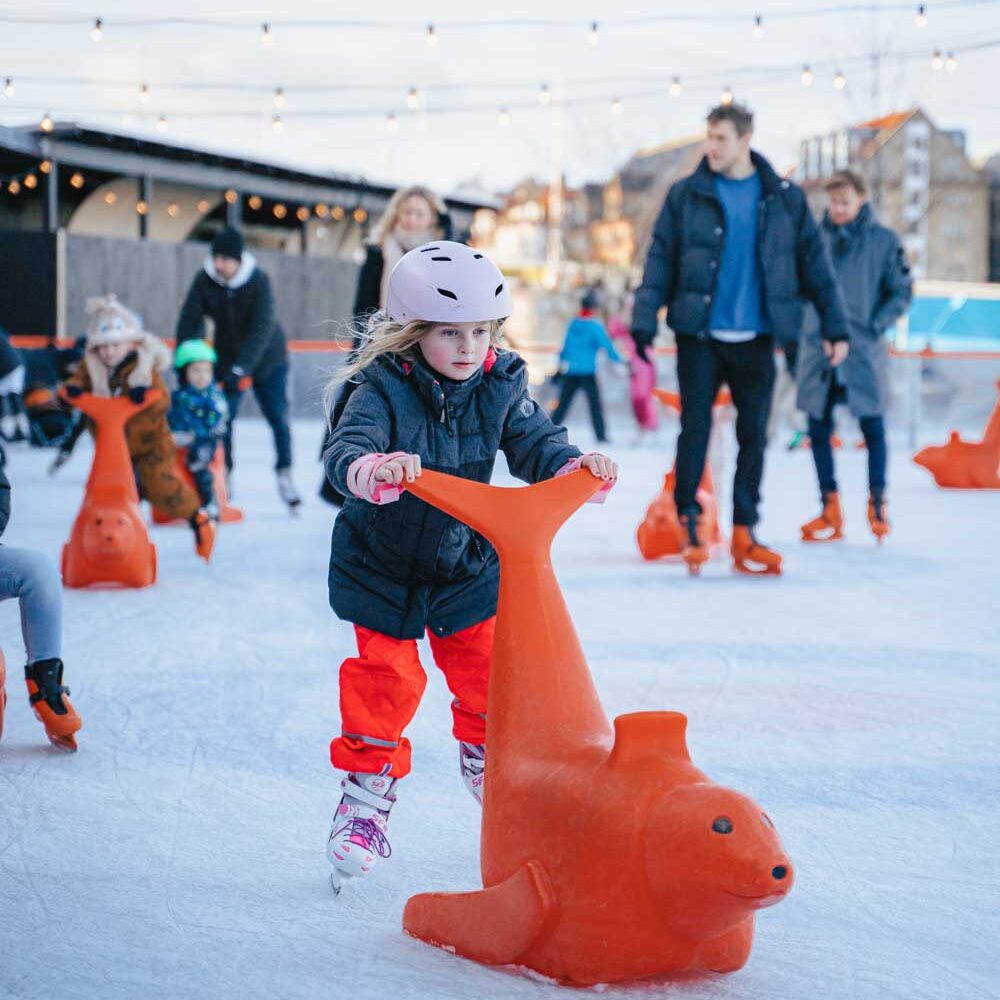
{"x":173,"y":210}
{"x":142,"y":207}
{"x":276,"y":124}
{"x":31,"y":182}
{"x":920,"y":20}
{"x":758,"y":27}
{"x":504,"y":117}
{"x":97,"y":31}
{"x":231,"y":196}
{"x":951,"y":63}
{"x":8,"y":87}
{"x":321,"y":210}
{"x":45,"y":166}
{"x":161,"y":124}
{"x":840,"y":81}
{"x":203,"y":205}
{"x":431,"y":37}
{"x":391,"y":122}
{"x":279,"y":211}
{"x":728,"y":95}
{"x":807,"y":76}
{"x":110,"y":197}
{"x":616,"y":106}
{"x":76,"y":181}
{"x":337,"y":213}
{"x":255,"y":201}
{"x":360,"y":216}
{"x":302,"y":213}
{"x":14,"y":187}
{"x":595,"y":34}
{"x":266,"y":35}
{"x":675,"y":87}
{"x":47,"y":124}
{"x":937,"y":60}
{"x":279,"y":97}
{"x":544,"y":95}
{"x":412,"y":99}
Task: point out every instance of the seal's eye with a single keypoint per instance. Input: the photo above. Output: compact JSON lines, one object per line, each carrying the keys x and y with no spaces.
{"x":722,"y":825}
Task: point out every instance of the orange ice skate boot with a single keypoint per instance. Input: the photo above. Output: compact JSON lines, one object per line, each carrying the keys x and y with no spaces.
{"x":828,"y":526}
{"x":750,"y":556}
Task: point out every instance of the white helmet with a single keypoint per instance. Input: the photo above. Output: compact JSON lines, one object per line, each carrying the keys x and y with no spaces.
{"x":446,"y":282}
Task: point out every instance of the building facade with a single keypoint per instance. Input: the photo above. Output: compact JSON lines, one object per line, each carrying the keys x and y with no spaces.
{"x":922,"y":184}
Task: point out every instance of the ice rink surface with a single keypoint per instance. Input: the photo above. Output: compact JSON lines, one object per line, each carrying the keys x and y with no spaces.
{"x":179,"y":854}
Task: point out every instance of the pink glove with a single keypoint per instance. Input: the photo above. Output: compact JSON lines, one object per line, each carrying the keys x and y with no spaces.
{"x":362,"y":483}
{"x":575,"y":464}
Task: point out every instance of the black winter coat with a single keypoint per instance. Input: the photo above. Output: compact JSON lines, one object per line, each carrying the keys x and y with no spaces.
{"x":247,"y":334}
{"x":406,"y":566}
{"x":682,"y":267}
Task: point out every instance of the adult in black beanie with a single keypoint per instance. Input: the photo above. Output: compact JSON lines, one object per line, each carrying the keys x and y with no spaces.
{"x":249,"y":342}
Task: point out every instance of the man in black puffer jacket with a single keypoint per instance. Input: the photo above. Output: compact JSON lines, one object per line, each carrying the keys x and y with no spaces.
{"x":249,"y":342}
{"x":735,"y":252}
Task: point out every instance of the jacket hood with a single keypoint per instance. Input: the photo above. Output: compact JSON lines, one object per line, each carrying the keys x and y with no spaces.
{"x":248,"y":264}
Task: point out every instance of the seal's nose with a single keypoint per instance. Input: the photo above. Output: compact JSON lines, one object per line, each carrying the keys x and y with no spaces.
{"x":779,"y":872}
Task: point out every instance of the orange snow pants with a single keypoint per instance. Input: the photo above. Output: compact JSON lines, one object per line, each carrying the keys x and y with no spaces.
{"x":381,"y":687}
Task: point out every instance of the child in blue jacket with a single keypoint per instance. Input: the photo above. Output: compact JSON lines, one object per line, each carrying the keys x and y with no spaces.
{"x":585,"y":338}
{"x":198,"y":416}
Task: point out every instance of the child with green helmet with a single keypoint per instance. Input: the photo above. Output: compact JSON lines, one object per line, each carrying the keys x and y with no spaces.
{"x":198,"y":415}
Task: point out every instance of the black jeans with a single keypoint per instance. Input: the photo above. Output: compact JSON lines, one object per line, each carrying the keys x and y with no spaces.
{"x":873,"y":429}
{"x":569,"y":385}
{"x":271,"y":393}
{"x":748,"y":370}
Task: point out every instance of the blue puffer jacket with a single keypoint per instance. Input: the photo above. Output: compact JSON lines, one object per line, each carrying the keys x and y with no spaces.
{"x":404,"y":567}
{"x":585,"y":337}
{"x":682,"y":268}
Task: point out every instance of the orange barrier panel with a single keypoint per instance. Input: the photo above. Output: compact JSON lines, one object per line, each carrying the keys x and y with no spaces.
{"x":605,"y":858}
{"x":109,"y":542}
{"x":227,"y":513}
{"x":965,"y":464}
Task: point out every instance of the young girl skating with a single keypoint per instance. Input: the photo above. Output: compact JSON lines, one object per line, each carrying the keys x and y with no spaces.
{"x":435,"y":390}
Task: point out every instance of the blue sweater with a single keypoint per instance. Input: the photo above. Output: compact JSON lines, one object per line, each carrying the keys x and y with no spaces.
{"x":737,"y":304}
{"x":585,"y":337}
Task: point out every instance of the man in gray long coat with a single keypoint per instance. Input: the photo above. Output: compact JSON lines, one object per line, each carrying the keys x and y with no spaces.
{"x":874,"y":277}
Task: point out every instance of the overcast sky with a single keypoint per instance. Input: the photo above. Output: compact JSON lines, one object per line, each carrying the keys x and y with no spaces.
{"x":57,"y":68}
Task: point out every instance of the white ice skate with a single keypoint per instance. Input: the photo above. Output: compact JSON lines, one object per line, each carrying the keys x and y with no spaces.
{"x":472,"y":761}
{"x":287,"y":491}
{"x":359,"y":833}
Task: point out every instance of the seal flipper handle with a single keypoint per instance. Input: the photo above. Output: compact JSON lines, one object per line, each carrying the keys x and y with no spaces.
{"x":495,"y":926}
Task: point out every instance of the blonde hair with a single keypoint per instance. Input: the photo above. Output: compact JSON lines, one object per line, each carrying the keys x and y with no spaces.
{"x":387,"y":221}
{"x":385,"y":336}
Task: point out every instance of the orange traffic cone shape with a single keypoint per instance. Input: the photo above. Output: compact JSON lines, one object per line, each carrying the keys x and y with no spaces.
{"x":828,"y":527}
{"x":660,"y":533}
{"x":966,"y":465}
{"x":749,"y":556}
{"x":51,"y":704}
{"x":227,"y":513}
{"x":877,"y":519}
{"x":605,"y":857}
{"x":109,"y":542}
{"x":3,"y":690}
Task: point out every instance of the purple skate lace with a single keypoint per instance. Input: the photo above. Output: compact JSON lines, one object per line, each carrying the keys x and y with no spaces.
{"x":368,"y":834}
